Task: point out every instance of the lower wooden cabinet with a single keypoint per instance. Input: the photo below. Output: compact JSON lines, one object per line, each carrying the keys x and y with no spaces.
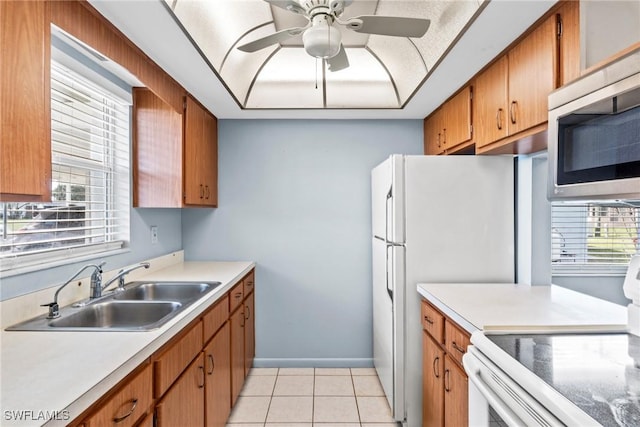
{"x":237,"y":353}
{"x":433,"y":383}
{"x":456,"y":394}
{"x":128,"y":405}
{"x":218,"y":378}
{"x":183,"y":404}
{"x":445,"y":396}
{"x":194,"y":379}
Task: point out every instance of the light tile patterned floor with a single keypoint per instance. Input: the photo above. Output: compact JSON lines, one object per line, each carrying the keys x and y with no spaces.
{"x":311,"y":397}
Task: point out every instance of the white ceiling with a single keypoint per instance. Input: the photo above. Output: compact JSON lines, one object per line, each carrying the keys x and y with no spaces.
{"x":151,"y":25}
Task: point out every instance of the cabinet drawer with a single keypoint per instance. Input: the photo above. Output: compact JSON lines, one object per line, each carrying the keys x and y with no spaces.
{"x":456,"y":341}
{"x":176,"y":358}
{"x":215,"y":318}
{"x":249,"y":283}
{"x":236,"y":295}
{"x":432,"y":321}
{"x":126,"y":406}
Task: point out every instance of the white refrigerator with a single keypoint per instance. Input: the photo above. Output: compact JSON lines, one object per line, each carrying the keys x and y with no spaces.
{"x":434,"y":219}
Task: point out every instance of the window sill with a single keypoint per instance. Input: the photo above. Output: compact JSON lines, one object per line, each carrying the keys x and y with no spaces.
{"x":16,"y":267}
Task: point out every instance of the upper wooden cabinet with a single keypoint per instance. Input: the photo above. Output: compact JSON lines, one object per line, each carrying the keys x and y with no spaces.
{"x":511,"y":95}
{"x":448,"y":129}
{"x":25,"y":101}
{"x":175,"y":153}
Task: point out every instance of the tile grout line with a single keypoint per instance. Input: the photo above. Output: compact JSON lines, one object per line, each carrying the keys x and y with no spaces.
{"x":355,"y":398}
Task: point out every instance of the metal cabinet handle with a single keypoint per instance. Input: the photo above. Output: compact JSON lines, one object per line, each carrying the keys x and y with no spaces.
{"x":438,"y":139}
{"x":238,"y":295}
{"x":512,"y":111}
{"x":444,"y":136}
{"x":436,"y":367}
{"x":247,"y":314}
{"x":213,"y":364}
{"x":447,"y":379}
{"x":207,"y":192}
{"x":201,"y":191}
{"x":134,"y":403}
{"x":428,"y":320}
{"x":201,"y":368}
{"x":460,"y":349}
{"x":499,"y":118}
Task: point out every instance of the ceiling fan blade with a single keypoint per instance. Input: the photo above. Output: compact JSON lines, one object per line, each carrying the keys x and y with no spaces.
{"x":389,"y":25}
{"x":271,"y":39}
{"x":340,"y":61}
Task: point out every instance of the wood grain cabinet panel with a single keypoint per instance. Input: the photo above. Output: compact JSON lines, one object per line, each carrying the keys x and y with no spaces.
{"x":432,"y":384}
{"x":490,"y":106}
{"x":215,"y":317}
{"x":128,"y":405}
{"x":444,"y":383}
{"x":433,"y":322}
{"x":449,"y":127}
{"x":237,"y":321}
{"x":169,"y":364}
{"x":25,"y":104}
{"x":249,"y":333}
{"x":183,"y":405}
{"x":236,"y":295}
{"x":456,"y":395}
{"x":175,"y":153}
{"x":218,"y":379}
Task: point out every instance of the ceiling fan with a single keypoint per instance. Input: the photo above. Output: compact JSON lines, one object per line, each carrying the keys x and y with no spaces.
{"x":323,"y":40}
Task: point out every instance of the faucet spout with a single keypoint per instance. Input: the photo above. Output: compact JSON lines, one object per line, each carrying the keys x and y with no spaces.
{"x":96,"y":277}
{"x":120,"y":276}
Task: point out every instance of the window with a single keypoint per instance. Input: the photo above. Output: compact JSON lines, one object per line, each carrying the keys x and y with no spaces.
{"x":89,"y":212}
{"x":593,"y":238}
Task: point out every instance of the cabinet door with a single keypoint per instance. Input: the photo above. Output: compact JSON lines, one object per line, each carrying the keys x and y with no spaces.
{"x":532,"y":76}
{"x":456,"y":394}
{"x":457,"y":119}
{"x":218,"y":382}
{"x":183,"y":405}
{"x":249,"y":333}
{"x":127,"y":405}
{"x":25,"y":104}
{"x":569,"y":15}
{"x":194,"y":186}
{"x":210,"y":159}
{"x":172,"y":361}
{"x":432,"y":383}
{"x":157,"y":152}
{"x":490,"y":106}
{"x":433,"y":134}
{"x":237,"y":353}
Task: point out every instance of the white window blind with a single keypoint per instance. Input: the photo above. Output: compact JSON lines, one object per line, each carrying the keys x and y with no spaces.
{"x":593,"y":238}
{"x":89,"y":211}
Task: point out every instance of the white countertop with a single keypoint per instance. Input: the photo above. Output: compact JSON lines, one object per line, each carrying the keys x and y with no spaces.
{"x":510,"y":307}
{"x":68,"y":371}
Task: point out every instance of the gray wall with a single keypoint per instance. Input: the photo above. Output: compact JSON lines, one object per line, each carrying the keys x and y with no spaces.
{"x":169,"y":240}
{"x":294,"y":197}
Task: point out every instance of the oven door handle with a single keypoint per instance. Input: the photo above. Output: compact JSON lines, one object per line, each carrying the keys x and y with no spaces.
{"x":473,"y":371}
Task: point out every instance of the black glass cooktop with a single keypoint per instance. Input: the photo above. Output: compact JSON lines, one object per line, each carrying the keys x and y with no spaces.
{"x":600,"y":373}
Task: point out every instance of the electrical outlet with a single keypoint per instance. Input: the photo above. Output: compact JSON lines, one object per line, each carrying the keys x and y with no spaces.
{"x":154,"y":234}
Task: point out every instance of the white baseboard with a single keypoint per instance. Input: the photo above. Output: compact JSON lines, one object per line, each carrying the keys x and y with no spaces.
{"x":312,"y":363}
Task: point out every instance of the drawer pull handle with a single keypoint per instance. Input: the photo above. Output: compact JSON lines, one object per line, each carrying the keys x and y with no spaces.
{"x":429,"y":320}
{"x":134,"y":403}
{"x":436,"y":367}
{"x":460,"y":349}
{"x":213,"y":364}
{"x":238,"y":295}
{"x":201,"y":368}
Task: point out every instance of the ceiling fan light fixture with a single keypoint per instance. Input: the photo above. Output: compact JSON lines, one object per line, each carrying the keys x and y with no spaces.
{"x":322,"y":40}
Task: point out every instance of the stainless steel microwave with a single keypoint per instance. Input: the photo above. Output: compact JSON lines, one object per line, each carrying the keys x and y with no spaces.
{"x":594,"y":135}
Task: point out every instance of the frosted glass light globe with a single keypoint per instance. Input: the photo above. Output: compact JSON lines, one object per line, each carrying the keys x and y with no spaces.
{"x":322,"y":40}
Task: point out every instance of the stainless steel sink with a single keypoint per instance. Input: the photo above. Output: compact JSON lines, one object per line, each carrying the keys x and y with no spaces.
{"x":118,"y":314}
{"x":142,"y":306}
{"x":165,"y":291}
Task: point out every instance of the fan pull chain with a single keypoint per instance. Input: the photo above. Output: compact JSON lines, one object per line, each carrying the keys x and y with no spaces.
{"x":316,"y":72}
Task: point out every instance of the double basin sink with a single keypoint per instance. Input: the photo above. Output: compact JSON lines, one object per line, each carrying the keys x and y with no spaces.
{"x":141,"y":306}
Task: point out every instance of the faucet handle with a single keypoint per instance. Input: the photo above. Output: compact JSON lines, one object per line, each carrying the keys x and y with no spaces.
{"x":54,"y":310}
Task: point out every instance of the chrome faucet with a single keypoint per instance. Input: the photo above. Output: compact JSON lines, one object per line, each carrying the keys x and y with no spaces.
{"x":96,"y":279}
{"x":97,"y":292}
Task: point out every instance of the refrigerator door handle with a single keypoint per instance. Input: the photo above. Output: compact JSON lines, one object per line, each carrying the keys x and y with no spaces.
{"x":386,"y":215}
{"x":386,"y":271}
